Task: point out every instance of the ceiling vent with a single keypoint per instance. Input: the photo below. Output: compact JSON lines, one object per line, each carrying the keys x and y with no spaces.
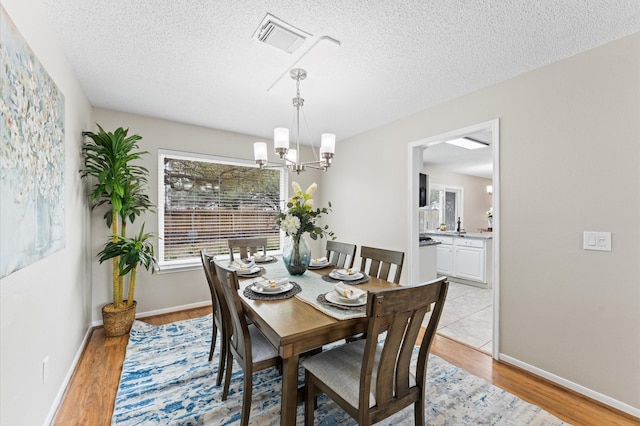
{"x":277,"y":33}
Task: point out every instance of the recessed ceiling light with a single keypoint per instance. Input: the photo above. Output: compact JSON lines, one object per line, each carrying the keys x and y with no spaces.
{"x":467,"y":143}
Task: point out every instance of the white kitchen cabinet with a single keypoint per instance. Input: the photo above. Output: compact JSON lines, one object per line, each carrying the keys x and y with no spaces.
{"x":469,"y":259}
{"x":465,"y":258}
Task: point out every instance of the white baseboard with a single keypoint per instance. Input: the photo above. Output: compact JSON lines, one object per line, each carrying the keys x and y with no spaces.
{"x":162,"y":311}
{"x":67,"y":378}
{"x":573,"y":386}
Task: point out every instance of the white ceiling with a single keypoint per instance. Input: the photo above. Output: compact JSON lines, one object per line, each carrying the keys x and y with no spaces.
{"x":474,"y":162}
{"x":196,"y":61}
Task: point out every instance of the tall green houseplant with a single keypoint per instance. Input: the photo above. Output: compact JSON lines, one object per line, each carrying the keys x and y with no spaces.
{"x":121,"y":185}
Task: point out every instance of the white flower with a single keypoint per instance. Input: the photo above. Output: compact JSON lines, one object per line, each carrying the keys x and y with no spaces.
{"x":296,"y":188}
{"x":312,"y":188}
{"x":290,"y":224}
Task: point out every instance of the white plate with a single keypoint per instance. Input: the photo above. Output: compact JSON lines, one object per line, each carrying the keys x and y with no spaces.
{"x":263,"y":259}
{"x":248,"y":271}
{"x":318,"y":264}
{"x":276,"y":290}
{"x":334,"y":297}
{"x":355,"y":276}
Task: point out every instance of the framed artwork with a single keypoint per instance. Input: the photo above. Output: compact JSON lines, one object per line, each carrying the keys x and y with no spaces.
{"x":32,"y":220}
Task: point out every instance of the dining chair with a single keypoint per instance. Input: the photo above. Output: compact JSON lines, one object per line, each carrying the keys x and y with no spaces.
{"x":381,"y":261}
{"x":218,"y":321}
{"x":372,"y":379}
{"x":248,"y":346}
{"x":340,"y":254}
{"x":247,"y":246}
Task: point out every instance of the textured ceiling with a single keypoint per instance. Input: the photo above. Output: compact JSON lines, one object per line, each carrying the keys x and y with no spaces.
{"x":196,"y":61}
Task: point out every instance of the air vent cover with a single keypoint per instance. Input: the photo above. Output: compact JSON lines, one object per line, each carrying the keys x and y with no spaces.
{"x":279,"y":34}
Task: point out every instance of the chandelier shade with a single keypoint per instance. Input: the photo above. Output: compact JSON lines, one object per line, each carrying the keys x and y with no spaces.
{"x":281,"y":140}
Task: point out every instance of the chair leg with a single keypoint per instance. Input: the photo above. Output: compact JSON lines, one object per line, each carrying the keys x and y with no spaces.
{"x":222,"y":359}
{"x":246,"y":397}
{"x":419,"y":411}
{"x":227,"y":378}
{"x":214,"y":336}
{"x":309,"y":400}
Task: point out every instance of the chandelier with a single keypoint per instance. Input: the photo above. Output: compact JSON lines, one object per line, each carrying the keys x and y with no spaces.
{"x":281,"y":140}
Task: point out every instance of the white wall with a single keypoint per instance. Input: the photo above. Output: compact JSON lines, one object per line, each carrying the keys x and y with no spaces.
{"x":569,"y":162}
{"x":166,"y":291}
{"x":44,"y":308}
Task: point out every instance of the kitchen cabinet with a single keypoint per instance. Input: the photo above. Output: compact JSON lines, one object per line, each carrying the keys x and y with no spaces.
{"x":464,"y":258}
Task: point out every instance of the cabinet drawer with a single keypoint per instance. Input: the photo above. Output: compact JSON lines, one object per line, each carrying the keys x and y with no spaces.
{"x":463,"y":242}
{"x":443,"y":240}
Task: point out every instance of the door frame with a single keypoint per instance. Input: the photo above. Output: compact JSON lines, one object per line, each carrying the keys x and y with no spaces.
{"x":415,"y":160}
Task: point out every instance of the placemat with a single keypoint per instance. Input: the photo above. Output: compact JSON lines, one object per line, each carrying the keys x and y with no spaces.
{"x":250,"y":294}
{"x":362,"y":280}
{"x":324,"y":302}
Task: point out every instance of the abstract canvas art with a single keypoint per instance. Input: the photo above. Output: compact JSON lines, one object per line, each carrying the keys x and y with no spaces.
{"x":32,"y":222}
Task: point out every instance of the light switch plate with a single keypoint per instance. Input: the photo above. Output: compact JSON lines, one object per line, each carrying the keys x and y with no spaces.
{"x":595,"y":240}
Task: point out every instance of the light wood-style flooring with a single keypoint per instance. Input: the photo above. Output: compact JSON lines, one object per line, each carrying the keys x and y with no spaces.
{"x":91,"y":393}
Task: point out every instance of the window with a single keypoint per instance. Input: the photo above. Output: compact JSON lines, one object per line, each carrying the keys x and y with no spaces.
{"x":205,"y":200}
{"x":448,"y":201}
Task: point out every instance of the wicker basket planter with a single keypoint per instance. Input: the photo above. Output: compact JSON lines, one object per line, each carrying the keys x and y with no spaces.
{"x":118,"y":322}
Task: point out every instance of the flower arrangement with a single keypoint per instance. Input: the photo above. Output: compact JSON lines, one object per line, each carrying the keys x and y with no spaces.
{"x":300,"y":217}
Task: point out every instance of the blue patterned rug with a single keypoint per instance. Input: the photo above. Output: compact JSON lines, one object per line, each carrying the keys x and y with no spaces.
{"x":167,"y":380}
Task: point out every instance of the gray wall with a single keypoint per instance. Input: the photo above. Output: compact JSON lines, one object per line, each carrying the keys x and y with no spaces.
{"x":569,"y":162}
{"x":167,"y":291}
{"x":44,"y":307}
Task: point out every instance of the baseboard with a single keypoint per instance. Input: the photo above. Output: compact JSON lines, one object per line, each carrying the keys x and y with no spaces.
{"x":63,"y":387}
{"x":626,"y":408}
{"x":161,"y":311}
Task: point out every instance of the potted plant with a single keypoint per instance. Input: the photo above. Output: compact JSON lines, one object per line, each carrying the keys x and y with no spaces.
{"x":121,"y":186}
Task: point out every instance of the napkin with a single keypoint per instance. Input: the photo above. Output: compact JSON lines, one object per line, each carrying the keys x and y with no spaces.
{"x":239,"y":265}
{"x":319,"y":261}
{"x":259,"y":257}
{"x":349,"y":291}
{"x":267,"y":284}
{"x":345,"y":273}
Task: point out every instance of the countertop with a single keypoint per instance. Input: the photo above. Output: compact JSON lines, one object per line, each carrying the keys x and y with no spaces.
{"x":476,"y":235}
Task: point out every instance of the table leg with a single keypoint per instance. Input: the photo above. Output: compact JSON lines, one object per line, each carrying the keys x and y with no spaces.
{"x":289,"y":390}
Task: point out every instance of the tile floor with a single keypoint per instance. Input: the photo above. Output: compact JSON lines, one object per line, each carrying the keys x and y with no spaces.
{"x":468,"y":316}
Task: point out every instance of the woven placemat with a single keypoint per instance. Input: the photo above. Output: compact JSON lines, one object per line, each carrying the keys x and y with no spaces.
{"x":323,"y":301}
{"x":362,"y":280}
{"x":250,"y":294}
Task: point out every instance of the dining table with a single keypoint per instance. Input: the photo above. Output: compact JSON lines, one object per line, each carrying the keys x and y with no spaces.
{"x":302,"y":322}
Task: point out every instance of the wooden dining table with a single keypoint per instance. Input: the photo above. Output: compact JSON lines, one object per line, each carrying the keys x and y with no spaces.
{"x":294,"y":327}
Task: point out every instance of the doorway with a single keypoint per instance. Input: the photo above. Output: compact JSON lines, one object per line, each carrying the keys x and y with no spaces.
{"x":416,"y":153}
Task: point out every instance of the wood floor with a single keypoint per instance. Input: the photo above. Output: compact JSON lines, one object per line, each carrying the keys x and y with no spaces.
{"x":92,"y":390}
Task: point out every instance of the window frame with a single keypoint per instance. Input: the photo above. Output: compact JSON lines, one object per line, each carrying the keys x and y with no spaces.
{"x":459,"y":200}
{"x":195,"y":262}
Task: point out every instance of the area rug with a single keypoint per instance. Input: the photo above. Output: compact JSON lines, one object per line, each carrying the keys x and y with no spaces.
{"x":167,"y":380}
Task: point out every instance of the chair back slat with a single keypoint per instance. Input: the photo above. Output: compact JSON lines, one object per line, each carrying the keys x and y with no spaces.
{"x":381,"y":262}
{"x":247,"y":246}
{"x":342,"y":255}
{"x":399,"y":312}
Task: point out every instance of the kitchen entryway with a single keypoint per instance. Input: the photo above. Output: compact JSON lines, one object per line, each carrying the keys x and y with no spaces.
{"x":468,"y":316}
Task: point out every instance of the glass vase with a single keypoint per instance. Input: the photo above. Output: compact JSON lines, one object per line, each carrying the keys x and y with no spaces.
{"x":296,"y":254}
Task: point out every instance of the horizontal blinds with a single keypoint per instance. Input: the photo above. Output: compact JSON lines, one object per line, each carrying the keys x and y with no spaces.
{"x":206,"y":203}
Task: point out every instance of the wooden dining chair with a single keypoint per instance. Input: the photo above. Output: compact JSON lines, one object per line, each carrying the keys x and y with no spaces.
{"x":218,"y":321}
{"x":372,"y":380}
{"x":248,"y":346}
{"x":247,"y":246}
{"x":340,"y":254}
{"x":380,"y":262}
